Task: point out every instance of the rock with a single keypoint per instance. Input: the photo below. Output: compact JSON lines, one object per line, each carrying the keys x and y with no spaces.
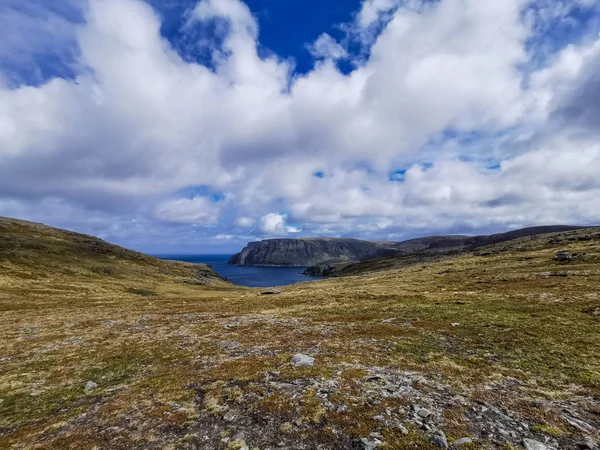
{"x":455,"y":324}
{"x":579,"y":424}
{"x":462,"y":441}
{"x":271,"y":292}
{"x":227,"y":326}
{"x":439,"y":440}
{"x":563,"y":256}
{"x":229,"y":417}
{"x":424,"y":413}
{"x":532,"y":444}
{"x":403,"y":429}
{"x":368,"y":444}
{"x":388,"y":320}
{"x":90,"y":386}
{"x":300,"y":360}
{"x":587,"y":444}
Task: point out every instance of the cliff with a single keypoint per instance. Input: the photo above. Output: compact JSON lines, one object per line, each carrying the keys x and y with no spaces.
{"x":308,"y":251}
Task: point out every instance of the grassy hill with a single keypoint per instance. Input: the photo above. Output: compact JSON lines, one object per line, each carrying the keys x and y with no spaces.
{"x":110,"y":349}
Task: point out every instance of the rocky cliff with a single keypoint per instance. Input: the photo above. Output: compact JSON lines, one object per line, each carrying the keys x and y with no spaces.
{"x":308,"y":251}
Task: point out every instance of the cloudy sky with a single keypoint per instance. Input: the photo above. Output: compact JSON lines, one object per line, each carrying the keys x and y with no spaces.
{"x":176,"y":126}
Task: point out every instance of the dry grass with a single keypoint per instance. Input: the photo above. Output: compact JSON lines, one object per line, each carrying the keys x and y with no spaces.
{"x":162,"y":358}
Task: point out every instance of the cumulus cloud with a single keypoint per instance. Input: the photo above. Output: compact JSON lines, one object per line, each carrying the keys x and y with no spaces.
{"x":327,"y":47}
{"x":275,"y":224}
{"x":448,"y":122}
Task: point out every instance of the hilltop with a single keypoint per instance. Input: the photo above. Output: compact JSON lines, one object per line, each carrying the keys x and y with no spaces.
{"x":105,"y":348}
{"x":308,"y":251}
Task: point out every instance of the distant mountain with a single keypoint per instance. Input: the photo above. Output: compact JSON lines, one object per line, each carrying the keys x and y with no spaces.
{"x":431,"y":249}
{"x":309,"y":251}
{"x":332,"y":255}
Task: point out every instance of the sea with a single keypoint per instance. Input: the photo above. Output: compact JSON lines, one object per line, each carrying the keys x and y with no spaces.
{"x":246,"y":275}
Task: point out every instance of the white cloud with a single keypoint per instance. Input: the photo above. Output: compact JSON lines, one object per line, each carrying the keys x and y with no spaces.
{"x":274,"y":224}
{"x":327,"y":47}
{"x":197,"y":211}
{"x":442,"y":84}
{"x":244,"y":222}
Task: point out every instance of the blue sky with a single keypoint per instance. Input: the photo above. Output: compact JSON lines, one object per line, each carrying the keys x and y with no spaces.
{"x":197,"y":126}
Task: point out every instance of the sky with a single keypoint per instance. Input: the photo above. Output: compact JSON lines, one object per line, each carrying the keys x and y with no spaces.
{"x":185,"y":126}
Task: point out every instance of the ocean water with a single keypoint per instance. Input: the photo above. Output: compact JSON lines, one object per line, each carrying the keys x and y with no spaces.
{"x":246,"y":275}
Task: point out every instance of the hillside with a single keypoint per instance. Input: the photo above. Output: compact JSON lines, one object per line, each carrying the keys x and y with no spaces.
{"x":496,"y":349}
{"x":32,"y":254}
{"x":308,"y":251}
{"x":433,"y":248}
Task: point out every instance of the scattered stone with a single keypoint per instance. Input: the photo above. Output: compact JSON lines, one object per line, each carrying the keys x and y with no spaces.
{"x":587,"y":444}
{"x":229,"y":417}
{"x":532,"y":444}
{"x":455,"y":324}
{"x":439,"y":440}
{"x":406,"y":324}
{"x":90,"y":386}
{"x":403,"y":429}
{"x":271,"y":292}
{"x":227,"y":326}
{"x":563,"y":256}
{"x":462,"y":441}
{"x":300,"y":360}
{"x":368,"y":444}
{"x":388,"y":320}
{"x":579,"y":424}
{"x":424,"y":413}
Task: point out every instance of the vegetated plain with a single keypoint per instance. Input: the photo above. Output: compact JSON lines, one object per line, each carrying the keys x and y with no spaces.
{"x":103,"y":348}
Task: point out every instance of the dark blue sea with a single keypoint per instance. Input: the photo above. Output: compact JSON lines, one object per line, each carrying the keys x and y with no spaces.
{"x":246,"y":275}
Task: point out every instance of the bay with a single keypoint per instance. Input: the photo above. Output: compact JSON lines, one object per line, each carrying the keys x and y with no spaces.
{"x":246,"y":275}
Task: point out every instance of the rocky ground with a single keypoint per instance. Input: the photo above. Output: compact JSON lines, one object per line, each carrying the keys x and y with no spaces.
{"x":499,"y":350}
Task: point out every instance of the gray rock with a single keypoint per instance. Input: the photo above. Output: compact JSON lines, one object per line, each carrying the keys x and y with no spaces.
{"x":563,"y":256}
{"x":229,"y":417}
{"x":455,"y":324}
{"x":300,"y":360}
{"x":424,"y":413}
{"x":532,"y":444}
{"x":271,"y":292}
{"x":587,"y":444}
{"x":462,"y":441}
{"x":439,"y":440}
{"x":90,"y":386}
{"x":368,"y":444}
{"x":403,"y":429}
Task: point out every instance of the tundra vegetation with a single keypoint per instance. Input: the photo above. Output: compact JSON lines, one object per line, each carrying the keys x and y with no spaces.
{"x":104,"y":348}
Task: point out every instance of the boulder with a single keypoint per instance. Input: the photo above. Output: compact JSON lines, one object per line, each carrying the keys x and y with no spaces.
{"x":532,"y":444}
{"x":563,"y":256}
{"x":301,"y":360}
{"x":439,"y":440}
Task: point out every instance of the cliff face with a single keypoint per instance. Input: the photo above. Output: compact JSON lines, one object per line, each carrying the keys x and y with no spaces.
{"x":307,"y":252}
